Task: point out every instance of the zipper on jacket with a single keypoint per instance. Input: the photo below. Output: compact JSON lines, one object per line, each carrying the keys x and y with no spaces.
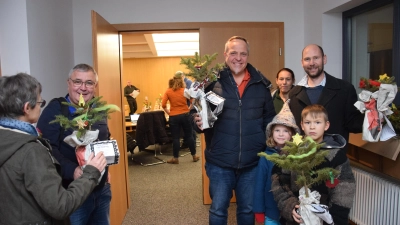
{"x":240,"y":115}
{"x":240,"y":132}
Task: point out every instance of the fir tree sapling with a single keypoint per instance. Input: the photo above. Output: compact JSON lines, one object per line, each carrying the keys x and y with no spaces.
{"x":198,"y":67}
{"x":303,"y":156}
{"x":88,"y":113}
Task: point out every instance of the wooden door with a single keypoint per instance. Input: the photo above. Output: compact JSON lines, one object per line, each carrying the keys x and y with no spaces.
{"x":106,"y":61}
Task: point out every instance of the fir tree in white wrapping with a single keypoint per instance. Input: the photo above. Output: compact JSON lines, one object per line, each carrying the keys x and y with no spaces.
{"x":303,"y":156}
{"x":88,"y":113}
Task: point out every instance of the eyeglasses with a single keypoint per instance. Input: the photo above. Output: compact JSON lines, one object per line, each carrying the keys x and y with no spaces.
{"x":78,"y":83}
{"x":42,"y":103}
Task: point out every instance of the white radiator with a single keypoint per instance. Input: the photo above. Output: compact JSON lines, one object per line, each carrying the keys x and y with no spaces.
{"x":376,"y":202}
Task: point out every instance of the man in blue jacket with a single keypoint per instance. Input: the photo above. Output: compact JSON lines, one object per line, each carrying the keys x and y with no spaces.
{"x":238,"y":134}
{"x":96,"y":209}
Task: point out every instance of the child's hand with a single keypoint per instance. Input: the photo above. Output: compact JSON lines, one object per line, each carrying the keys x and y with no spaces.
{"x":295,"y":215}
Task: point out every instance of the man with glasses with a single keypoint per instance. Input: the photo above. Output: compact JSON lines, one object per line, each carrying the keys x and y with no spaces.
{"x":82,"y":80}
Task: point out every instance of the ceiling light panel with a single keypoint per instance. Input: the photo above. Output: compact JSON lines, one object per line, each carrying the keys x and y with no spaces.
{"x":162,"y":46}
{"x":176,"y":53}
{"x":176,"y":44}
{"x":175,"y":37}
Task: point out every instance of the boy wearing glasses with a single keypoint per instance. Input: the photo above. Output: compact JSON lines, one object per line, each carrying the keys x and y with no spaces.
{"x":83,"y":80}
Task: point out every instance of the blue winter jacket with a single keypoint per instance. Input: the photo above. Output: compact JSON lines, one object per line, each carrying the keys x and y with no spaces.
{"x":263,"y":201}
{"x":64,"y":153}
{"x":239,"y":132}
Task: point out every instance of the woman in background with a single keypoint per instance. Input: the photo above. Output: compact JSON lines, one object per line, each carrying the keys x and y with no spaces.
{"x":285,"y":82}
{"x":31,"y":190}
{"x":179,"y":118}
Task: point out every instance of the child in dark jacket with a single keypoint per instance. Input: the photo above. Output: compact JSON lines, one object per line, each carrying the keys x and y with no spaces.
{"x":339,"y":198}
{"x":280,"y":130}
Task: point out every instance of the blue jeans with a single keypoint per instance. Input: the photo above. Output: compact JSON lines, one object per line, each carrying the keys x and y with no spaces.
{"x":95,"y":210}
{"x":222,"y":182}
{"x":176,"y":123}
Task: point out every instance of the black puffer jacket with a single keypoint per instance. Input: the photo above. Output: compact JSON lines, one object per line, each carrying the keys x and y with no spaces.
{"x":239,"y":132}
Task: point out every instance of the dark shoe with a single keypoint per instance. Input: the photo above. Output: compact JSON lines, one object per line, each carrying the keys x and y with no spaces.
{"x":173,"y":161}
{"x":195,"y":158}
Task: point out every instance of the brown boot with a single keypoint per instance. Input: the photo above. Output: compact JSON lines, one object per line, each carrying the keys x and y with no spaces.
{"x":173,"y":161}
{"x":195,"y":158}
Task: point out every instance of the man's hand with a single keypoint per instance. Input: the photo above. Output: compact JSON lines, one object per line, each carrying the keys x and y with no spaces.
{"x":295,"y":215}
{"x":78,"y":172}
{"x":197,"y":119}
{"x":98,"y":161}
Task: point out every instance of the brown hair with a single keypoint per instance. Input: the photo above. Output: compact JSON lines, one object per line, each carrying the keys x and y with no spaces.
{"x":177,"y":83}
{"x":314,"y":111}
{"x":270,"y":140}
{"x":233,"y":38}
{"x":287,"y":70}
{"x":171,"y":82}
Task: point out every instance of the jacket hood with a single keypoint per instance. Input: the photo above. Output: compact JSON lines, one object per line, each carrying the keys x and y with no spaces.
{"x":11,"y":141}
{"x":333,"y":141}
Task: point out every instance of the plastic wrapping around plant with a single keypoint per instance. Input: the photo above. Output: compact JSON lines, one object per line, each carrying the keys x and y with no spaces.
{"x":83,"y":138}
{"x":375,"y":100}
{"x":198,"y":67}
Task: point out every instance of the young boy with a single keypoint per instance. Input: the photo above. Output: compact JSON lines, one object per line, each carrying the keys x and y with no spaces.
{"x":339,"y":199}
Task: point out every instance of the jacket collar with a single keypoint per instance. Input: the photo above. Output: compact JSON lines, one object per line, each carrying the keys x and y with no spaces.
{"x":329,"y":91}
{"x":255,"y":75}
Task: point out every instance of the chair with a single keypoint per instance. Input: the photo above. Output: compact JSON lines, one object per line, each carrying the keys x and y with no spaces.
{"x":151,"y":130}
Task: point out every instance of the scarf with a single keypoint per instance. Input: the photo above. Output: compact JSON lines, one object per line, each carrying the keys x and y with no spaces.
{"x":18,"y":125}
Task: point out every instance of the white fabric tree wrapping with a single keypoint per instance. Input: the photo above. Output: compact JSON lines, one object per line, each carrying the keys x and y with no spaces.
{"x":80,"y":145}
{"x":376,"y":107}
{"x":201,"y":104}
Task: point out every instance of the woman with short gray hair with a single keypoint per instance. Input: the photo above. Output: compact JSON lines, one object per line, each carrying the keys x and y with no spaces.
{"x":31,"y":189}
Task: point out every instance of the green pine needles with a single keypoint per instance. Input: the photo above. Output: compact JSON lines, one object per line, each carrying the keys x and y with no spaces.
{"x":88,"y":113}
{"x":303,"y":156}
{"x":198,"y":67}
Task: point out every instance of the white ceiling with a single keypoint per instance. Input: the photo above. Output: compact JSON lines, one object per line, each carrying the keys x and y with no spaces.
{"x":138,"y":45}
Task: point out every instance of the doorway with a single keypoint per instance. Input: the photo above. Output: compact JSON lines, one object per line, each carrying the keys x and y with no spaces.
{"x":266,"y":54}
{"x":266,"y":48}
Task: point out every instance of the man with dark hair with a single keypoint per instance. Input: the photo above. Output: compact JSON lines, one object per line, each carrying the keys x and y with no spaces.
{"x":82,"y":80}
{"x":128,"y":92}
{"x":336,"y":95}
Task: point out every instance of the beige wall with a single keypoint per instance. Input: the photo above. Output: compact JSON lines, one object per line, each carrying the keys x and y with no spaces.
{"x":150,"y":75}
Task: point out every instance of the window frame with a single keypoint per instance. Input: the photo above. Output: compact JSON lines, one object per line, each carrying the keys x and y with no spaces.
{"x":347,"y":38}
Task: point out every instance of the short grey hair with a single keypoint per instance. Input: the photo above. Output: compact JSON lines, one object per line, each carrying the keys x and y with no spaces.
{"x":237,"y":38}
{"x":82,"y":67}
{"x":15,"y":91}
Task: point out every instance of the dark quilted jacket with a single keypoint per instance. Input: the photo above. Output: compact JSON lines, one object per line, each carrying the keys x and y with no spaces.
{"x":150,"y":129}
{"x":239,"y":132}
